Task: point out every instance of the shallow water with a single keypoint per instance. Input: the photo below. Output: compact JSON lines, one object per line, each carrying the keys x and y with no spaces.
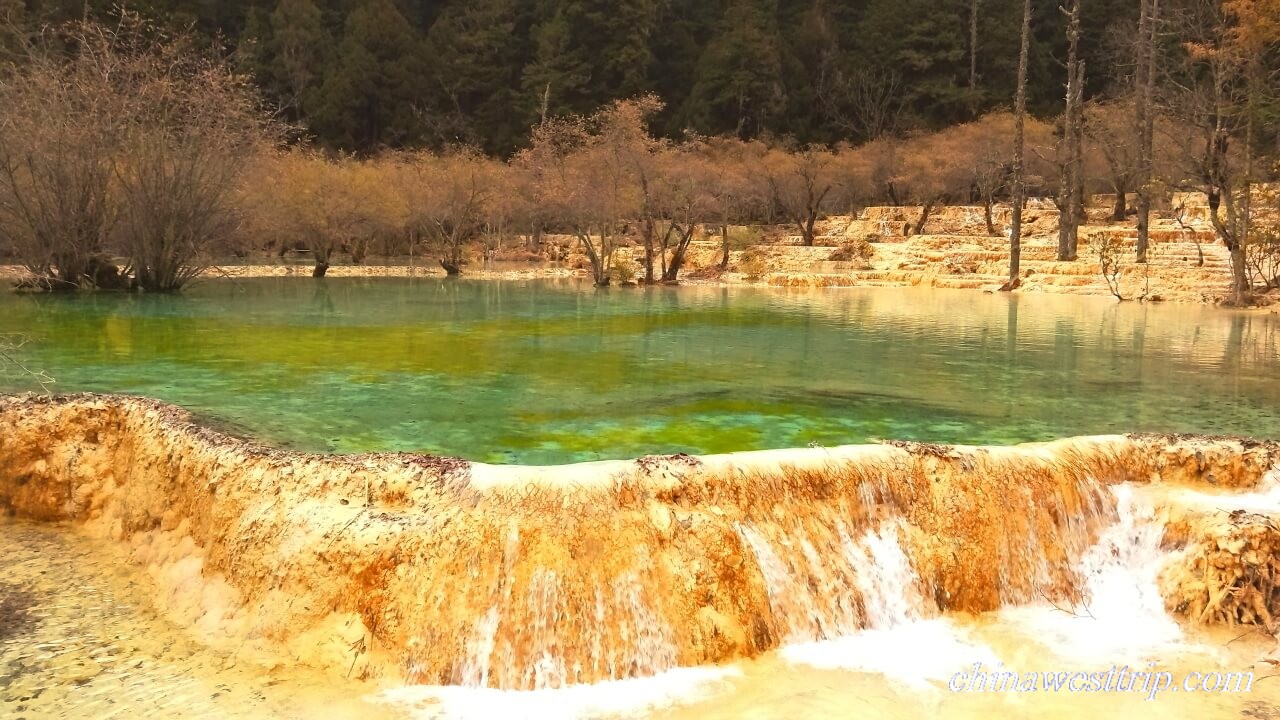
{"x":80,"y":638}
{"x":548,"y":372}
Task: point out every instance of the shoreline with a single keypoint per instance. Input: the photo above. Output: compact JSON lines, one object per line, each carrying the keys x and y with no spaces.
{"x":1187,"y":264}
{"x":784,"y":279}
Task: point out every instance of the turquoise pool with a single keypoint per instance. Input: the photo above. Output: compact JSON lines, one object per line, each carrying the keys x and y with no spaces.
{"x":547,"y":372}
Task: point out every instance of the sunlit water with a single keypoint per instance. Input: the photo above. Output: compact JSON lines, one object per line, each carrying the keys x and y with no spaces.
{"x":545,"y":372}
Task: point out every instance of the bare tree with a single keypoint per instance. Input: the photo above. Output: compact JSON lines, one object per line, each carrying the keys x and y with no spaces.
{"x":446,"y":199}
{"x":585,"y":174}
{"x":799,"y":184}
{"x":1217,"y":93}
{"x":729,"y":184}
{"x":865,"y":103}
{"x":1110,"y":128}
{"x":189,"y":130}
{"x":1019,"y":127}
{"x":1070,"y":197}
{"x":305,"y":200}
{"x":57,"y":142}
{"x":1145,"y":117}
{"x":121,"y":138}
{"x":685,"y":197}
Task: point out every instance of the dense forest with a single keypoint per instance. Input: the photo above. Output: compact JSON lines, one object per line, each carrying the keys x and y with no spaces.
{"x":362,"y":75}
{"x":141,"y":136}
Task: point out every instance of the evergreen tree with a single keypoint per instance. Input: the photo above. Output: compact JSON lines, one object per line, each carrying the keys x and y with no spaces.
{"x":476,"y":60}
{"x":373,"y":85}
{"x":361,"y":74}
{"x":738,"y":87}
{"x":588,"y":53}
{"x":687,"y":27}
{"x":297,"y":46}
{"x":927,"y":43}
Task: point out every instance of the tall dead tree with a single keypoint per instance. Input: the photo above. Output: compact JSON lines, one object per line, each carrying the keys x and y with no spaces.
{"x":1019,"y":181}
{"x":1146,"y":77}
{"x":1070,"y":200}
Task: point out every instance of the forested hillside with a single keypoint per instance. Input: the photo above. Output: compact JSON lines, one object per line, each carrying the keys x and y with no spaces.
{"x":368,"y":74}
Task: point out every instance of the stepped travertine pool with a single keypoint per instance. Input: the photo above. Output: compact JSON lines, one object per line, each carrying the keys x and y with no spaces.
{"x":182,"y":573}
{"x":544,"y":372}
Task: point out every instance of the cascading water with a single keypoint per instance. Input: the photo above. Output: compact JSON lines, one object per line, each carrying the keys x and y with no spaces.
{"x":436,"y":572}
{"x":1118,"y":613}
{"x":889,"y":585}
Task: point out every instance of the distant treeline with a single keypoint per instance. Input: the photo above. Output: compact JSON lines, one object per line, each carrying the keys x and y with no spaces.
{"x":362,"y":75}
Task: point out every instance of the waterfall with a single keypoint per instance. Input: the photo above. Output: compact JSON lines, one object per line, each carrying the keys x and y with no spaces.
{"x":442,"y":572}
{"x":889,"y":585}
{"x":1118,"y":614}
{"x":902,"y":639}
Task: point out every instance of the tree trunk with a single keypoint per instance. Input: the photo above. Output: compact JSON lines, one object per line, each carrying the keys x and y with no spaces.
{"x":320,"y":269}
{"x":450,"y":268}
{"x":1121,"y":208}
{"x":724,"y":246}
{"x":1146,"y":118}
{"x":648,"y":251}
{"x":1019,"y":132}
{"x":987,"y":203}
{"x":599,"y":273}
{"x":672,"y":272}
{"x":1239,"y":273}
{"x":1069,"y":186}
{"x":926,"y":209}
{"x":806,"y":228}
{"x":1243,"y":282}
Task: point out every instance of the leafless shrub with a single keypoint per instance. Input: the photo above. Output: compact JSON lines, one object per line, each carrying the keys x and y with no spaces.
{"x":1110,"y":251}
{"x":1262,"y":257}
{"x":131,"y":141}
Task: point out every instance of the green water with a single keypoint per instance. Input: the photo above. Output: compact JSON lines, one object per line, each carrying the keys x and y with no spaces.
{"x":546,"y":372}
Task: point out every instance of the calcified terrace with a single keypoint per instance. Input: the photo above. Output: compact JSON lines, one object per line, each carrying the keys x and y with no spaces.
{"x":437,"y":570}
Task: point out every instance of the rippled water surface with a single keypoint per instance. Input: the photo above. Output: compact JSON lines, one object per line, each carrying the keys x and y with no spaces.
{"x":544,"y":372}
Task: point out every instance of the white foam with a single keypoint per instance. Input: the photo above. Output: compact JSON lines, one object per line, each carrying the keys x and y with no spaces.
{"x":898,"y":643}
{"x":1121,"y":616}
{"x":617,"y":698}
{"x":916,"y":654}
{"x":1264,"y":499}
{"x":888,"y":583}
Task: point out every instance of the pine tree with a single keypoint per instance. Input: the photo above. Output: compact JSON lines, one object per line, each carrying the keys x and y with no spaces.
{"x":688,"y":26}
{"x":476,"y":60}
{"x":587,"y":53}
{"x":738,"y":87}
{"x":373,"y":84}
{"x":927,"y":43}
{"x":297,"y":52}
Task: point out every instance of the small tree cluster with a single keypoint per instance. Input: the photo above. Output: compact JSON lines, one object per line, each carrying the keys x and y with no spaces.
{"x":605,"y":180}
{"x":119,"y":141}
